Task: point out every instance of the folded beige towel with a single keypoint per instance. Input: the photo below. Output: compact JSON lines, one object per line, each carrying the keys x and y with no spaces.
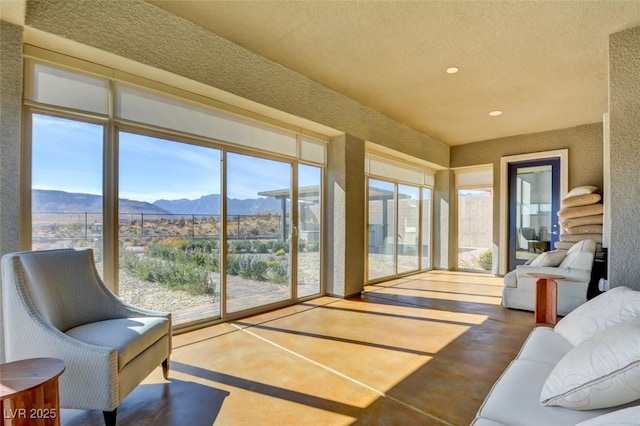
{"x":596,"y":219}
{"x":583,"y":229}
{"x":571,"y":212}
{"x":581,"y":200}
{"x":574,"y":238}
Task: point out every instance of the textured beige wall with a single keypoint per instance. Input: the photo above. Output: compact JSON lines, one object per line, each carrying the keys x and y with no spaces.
{"x":624,"y":109}
{"x":585,"y":145}
{"x":583,"y":142}
{"x":444,"y":256}
{"x":10,"y":117}
{"x":141,"y":32}
{"x":345,"y":221}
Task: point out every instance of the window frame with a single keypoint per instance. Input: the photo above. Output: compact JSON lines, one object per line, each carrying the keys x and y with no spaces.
{"x":113,"y":126}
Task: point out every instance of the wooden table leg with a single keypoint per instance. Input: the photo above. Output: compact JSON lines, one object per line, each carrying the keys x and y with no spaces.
{"x":546,"y":301}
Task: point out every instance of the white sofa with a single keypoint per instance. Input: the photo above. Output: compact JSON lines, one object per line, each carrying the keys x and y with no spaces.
{"x":585,"y":371}
{"x":575,"y":265}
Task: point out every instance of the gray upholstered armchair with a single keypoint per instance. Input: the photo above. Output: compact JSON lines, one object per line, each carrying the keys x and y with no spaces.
{"x":56,"y":305}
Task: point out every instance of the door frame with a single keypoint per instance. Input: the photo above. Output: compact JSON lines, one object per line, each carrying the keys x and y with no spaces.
{"x":562,"y":154}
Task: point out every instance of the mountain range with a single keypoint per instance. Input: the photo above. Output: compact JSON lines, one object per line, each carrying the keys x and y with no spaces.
{"x":60,"y":201}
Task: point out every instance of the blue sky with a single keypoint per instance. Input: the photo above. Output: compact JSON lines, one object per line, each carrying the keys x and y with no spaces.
{"x":67,"y":156}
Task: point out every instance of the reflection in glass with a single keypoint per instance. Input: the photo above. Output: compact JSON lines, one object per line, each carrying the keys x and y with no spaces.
{"x":309,"y":232}
{"x":382,"y":230}
{"x":426,"y":228}
{"x":258,"y":230}
{"x":169,"y":227}
{"x":533,"y":211}
{"x":408,"y":227}
{"x":475,"y":229}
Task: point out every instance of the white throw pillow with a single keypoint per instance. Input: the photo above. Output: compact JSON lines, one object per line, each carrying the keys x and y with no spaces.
{"x":603,"y":371}
{"x":549,"y":258}
{"x":623,"y":417}
{"x":603,"y":311}
{"x":581,"y":190}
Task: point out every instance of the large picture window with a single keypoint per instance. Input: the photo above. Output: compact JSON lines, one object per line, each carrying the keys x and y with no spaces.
{"x":66,"y":184}
{"x":398,"y":240}
{"x":169,"y":226}
{"x":474,"y":211}
{"x":399,"y":206}
{"x":188,"y":209}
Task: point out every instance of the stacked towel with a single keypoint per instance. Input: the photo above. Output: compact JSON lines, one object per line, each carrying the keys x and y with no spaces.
{"x":581,"y":218}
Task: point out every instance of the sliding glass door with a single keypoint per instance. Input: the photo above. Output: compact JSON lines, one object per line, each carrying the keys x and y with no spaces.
{"x":169,"y":226}
{"x":189,"y":208}
{"x":475,"y":229}
{"x":259,"y":194}
{"x":408,"y":237}
{"x":399,"y":229}
{"x":309,"y":230}
{"x":382,"y":229}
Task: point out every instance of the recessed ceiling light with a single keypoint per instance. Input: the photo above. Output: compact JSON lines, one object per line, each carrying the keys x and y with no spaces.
{"x":452,"y":70}
{"x":495,"y":113}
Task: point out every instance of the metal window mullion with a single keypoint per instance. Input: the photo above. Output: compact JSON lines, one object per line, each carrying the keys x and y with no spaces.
{"x":223,"y":233}
{"x":294,"y":231}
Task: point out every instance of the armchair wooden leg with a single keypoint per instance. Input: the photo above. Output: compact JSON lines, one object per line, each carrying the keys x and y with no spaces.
{"x":110,"y":417}
{"x":165,"y":369}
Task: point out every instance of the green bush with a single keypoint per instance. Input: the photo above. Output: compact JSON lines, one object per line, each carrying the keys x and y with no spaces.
{"x":278,"y":272}
{"x":252,"y":268}
{"x":312,"y":246}
{"x":188,"y":264}
{"x":486,"y":260}
{"x":260,"y":247}
{"x":233,"y":265}
{"x":179,"y":276}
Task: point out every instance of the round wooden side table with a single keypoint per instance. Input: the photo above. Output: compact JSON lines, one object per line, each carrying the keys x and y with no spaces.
{"x":29,"y":392}
{"x":546,"y":308}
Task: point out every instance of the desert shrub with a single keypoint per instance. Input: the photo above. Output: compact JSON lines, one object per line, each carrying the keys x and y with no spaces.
{"x":276,"y":245}
{"x":260,"y":247}
{"x":486,"y":260}
{"x":252,"y":268}
{"x":312,"y":246}
{"x":179,"y":276}
{"x":277,"y":272}
{"x":240,"y":247}
{"x":233,"y":265}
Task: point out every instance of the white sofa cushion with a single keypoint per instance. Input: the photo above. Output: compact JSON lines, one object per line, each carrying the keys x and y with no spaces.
{"x":623,"y":417}
{"x":514,"y":399}
{"x":605,"y":310}
{"x":511,"y":279}
{"x":479,"y":421}
{"x":580,"y":256}
{"x":602,"y":371}
{"x":549,"y":258}
{"x":544,"y":345}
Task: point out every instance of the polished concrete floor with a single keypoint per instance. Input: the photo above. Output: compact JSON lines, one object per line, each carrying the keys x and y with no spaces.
{"x":420,"y":350}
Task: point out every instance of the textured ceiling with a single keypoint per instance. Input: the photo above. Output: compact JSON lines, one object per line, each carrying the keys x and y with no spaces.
{"x":543,"y":63}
